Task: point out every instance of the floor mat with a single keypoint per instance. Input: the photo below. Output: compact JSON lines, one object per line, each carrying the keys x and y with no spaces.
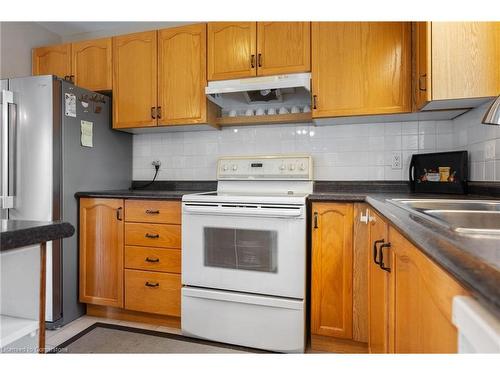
{"x":111,"y":338}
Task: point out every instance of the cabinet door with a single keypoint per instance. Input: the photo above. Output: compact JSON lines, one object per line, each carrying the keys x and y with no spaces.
{"x":378,"y":289}
{"x":331,"y":280}
{"x":423,"y":294}
{"x":422,"y":62}
{"x":465,"y":59}
{"x":54,"y":60}
{"x":134,"y":80}
{"x":101,"y":251}
{"x":92,"y":66}
{"x":283,"y":47}
{"x":361,"y":68}
{"x":182,"y":75}
{"x":231,"y":50}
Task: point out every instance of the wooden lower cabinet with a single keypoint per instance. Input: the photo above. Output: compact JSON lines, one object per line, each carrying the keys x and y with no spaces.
{"x":153,"y":292}
{"x":131,"y":270}
{"x":422,"y":295}
{"x":378,"y":288}
{"x":410,"y":301}
{"x":331,"y":283}
{"x":101,"y":251}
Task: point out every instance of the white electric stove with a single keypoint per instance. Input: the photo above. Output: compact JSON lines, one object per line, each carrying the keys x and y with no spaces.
{"x":244,"y":254}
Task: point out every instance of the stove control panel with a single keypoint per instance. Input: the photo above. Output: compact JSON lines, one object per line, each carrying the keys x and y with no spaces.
{"x":275,"y":167}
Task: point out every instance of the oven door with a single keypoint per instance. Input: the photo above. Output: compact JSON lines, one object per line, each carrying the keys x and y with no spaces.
{"x":254,"y":248}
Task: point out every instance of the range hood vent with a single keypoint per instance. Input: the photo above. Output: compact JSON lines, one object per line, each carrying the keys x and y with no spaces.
{"x":240,"y":93}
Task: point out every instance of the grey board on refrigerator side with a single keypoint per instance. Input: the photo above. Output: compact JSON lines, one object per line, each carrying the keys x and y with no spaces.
{"x":106,"y":165}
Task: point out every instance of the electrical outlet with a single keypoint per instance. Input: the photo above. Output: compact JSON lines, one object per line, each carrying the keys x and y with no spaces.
{"x":489,"y":150}
{"x":396,"y":160}
{"x":156,"y":163}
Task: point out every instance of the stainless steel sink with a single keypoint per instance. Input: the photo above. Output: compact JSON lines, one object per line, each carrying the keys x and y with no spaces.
{"x":464,"y":216}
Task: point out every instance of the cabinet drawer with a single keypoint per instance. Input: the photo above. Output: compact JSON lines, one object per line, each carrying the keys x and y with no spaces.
{"x":151,"y":211}
{"x":155,"y":235}
{"x":153,"y":259}
{"x":153,"y":292}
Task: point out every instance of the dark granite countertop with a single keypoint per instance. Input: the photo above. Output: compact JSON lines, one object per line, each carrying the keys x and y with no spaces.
{"x":131,"y":194}
{"x":20,"y":233}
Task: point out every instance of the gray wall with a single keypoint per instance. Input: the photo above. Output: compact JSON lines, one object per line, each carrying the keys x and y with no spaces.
{"x":16,"y":41}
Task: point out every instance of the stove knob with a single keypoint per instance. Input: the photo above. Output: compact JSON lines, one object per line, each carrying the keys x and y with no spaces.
{"x":291,"y":167}
{"x":225,"y":167}
{"x":235,"y":167}
{"x":302,"y":166}
{"x":282,"y":167}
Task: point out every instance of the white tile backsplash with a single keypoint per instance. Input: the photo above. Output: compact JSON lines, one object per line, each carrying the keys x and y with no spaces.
{"x":340,"y":152}
{"x":481,"y":141}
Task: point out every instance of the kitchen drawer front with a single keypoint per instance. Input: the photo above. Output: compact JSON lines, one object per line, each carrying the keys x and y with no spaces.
{"x":153,"y":259}
{"x":155,"y":235}
{"x":153,"y":292}
{"x":151,"y":211}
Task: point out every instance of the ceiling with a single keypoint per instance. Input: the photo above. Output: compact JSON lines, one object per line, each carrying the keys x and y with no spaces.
{"x":80,"y":30}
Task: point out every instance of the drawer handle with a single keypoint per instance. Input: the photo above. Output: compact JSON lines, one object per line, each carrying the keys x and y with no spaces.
{"x":150,"y":260}
{"x":152,"y":285}
{"x":150,"y":235}
{"x":152,"y":212}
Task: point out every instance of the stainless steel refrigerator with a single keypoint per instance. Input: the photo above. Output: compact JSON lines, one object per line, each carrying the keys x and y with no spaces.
{"x":56,"y":139}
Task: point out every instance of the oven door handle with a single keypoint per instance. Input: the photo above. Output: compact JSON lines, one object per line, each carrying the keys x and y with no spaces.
{"x":244,"y":211}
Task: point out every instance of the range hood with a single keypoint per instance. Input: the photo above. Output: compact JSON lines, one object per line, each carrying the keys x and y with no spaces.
{"x":292,"y":89}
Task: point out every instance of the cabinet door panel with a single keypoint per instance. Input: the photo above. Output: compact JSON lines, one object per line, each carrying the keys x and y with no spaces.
{"x":182,"y":75}
{"x":54,"y":60}
{"x":101,"y":252}
{"x":283,"y":47}
{"x":465,"y":59}
{"x":361,"y":68}
{"x":422,"y":61}
{"x":378,"y":291}
{"x":92,"y":66}
{"x":423,"y":295}
{"x":331,"y":286}
{"x":134,"y":80}
{"x":231,"y":46}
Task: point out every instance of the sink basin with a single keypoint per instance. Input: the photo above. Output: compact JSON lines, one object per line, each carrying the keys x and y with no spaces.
{"x":464,"y":216}
{"x":448,"y":204}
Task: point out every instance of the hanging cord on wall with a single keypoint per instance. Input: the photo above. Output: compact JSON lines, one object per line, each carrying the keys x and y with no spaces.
{"x":156,"y":164}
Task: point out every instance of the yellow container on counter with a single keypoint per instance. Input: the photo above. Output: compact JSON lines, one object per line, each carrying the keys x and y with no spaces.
{"x":444,"y":174}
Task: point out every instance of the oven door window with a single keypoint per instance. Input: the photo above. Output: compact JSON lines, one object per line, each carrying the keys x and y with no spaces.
{"x":241,"y":249}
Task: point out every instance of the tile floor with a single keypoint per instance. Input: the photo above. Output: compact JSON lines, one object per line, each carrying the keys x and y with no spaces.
{"x":57,"y":337}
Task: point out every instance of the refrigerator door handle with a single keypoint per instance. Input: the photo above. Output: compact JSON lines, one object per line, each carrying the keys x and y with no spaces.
{"x":7,"y":140}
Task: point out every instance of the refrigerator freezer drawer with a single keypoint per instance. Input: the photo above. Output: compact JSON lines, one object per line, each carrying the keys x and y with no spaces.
{"x":269,"y":323}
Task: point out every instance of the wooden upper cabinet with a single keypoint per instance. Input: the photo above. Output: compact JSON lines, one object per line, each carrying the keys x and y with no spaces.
{"x":423,"y":294}
{"x":135,"y":80}
{"x":283,"y":47}
{"x":456,"y":60}
{"x":378,"y":288}
{"x":54,"y":60}
{"x":331,"y":276}
{"x":231,"y":50}
{"x":91,"y":64}
{"x":361,"y":68}
{"x":101,"y":251}
{"x":182,"y":75}
{"x":422,"y":63}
